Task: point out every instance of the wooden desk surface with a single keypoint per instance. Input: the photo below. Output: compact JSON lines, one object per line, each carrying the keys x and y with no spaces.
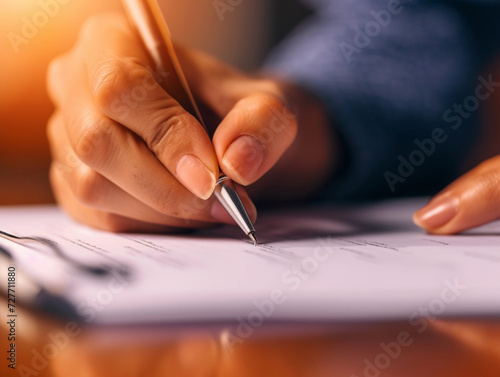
{"x":49,"y":347}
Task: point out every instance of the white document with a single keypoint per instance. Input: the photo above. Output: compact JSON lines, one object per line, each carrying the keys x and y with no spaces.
{"x":364,"y":262}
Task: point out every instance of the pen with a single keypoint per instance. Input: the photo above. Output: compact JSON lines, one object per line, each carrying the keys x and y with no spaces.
{"x":148,"y":19}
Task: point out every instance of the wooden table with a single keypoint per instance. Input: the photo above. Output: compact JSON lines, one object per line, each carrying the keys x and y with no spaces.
{"x":57,"y":348}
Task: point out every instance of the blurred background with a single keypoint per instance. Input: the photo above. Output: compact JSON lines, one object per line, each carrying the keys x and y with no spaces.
{"x":33,"y":32}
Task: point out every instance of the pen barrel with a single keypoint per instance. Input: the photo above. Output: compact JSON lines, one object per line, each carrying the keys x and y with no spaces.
{"x":147,"y":18}
{"x":225,"y":192}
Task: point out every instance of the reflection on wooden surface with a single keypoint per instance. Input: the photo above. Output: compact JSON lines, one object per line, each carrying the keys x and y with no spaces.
{"x":47,"y":347}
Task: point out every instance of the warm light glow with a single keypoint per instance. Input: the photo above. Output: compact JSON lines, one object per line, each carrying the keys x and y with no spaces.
{"x":33,"y":33}
{"x":21,"y":5}
{"x":36,"y":31}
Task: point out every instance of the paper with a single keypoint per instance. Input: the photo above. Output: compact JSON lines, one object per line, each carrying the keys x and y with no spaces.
{"x":365,"y":262}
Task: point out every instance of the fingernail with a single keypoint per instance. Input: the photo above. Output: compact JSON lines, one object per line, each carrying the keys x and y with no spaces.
{"x":243,"y":158}
{"x":437,"y":213}
{"x":195,"y":176}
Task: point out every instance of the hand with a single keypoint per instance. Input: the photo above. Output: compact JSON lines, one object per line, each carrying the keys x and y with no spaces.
{"x":470,"y":201}
{"x":128,"y":157}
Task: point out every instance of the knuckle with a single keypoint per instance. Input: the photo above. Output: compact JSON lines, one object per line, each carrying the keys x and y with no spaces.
{"x":166,"y":128}
{"x":106,"y":83}
{"x":137,"y":83}
{"x":137,"y":74}
{"x":88,"y":186}
{"x":93,"y":139}
{"x":66,"y":167}
{"x":121,"y":82}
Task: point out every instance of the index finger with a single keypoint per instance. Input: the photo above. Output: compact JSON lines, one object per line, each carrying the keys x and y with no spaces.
{"x":126,"y":90}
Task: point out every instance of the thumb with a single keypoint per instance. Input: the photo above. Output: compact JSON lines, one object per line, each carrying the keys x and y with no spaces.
{"x":470,"y":201}
{"x":257,"y":125}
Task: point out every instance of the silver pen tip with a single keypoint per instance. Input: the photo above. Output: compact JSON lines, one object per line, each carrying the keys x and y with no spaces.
{"x":253,"y":237}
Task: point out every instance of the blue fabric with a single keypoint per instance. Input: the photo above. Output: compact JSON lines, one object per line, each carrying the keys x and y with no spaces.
{"x":388,"y":93}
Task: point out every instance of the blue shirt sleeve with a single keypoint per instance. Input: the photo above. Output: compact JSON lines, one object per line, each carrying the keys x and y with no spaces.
{"x":391,"y":74}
